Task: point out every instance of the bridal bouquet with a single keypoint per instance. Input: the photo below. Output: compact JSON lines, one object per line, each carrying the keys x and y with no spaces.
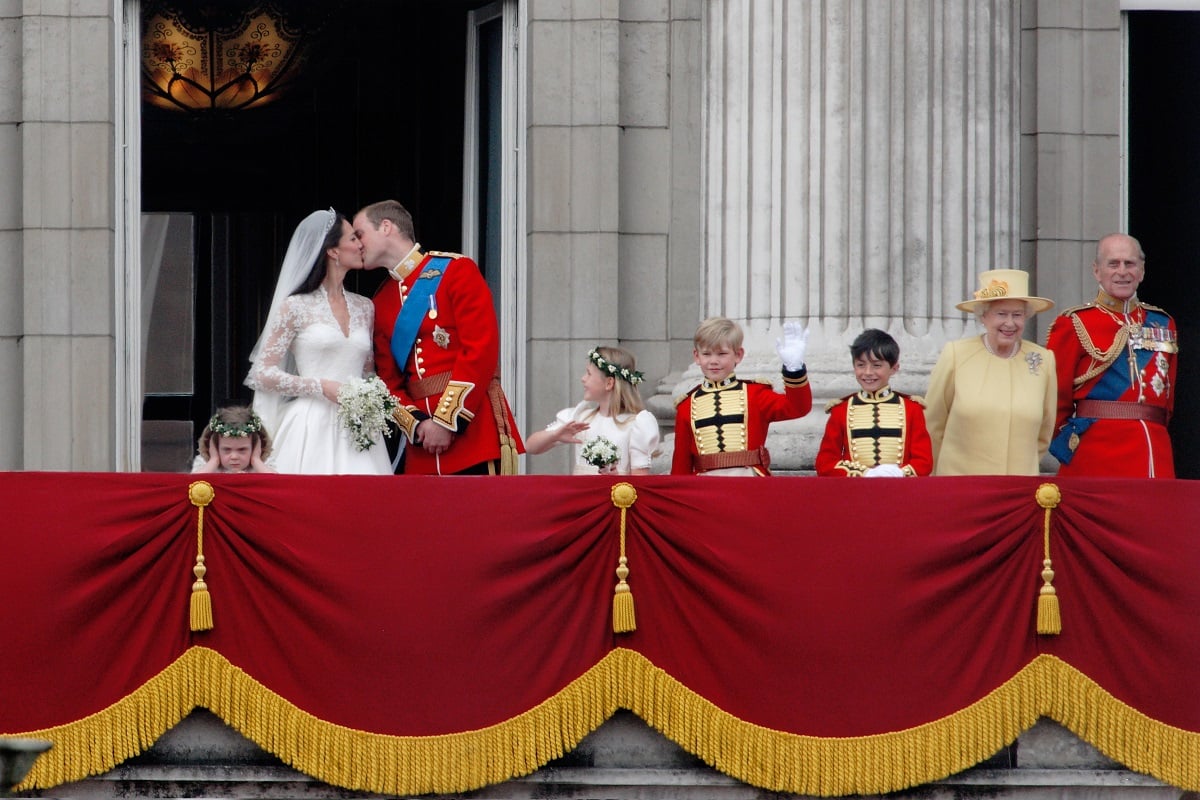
{"x":600,"y":452}
{"x":365,"y":408}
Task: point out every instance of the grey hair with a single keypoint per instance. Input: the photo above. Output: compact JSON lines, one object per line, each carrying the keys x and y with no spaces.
{"x":983,"y":307}
{"x":1100,"y":242}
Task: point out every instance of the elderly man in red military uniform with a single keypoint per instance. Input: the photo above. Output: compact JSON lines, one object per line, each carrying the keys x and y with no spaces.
{"x":1116,"y":361}
{"x":437,"y":347}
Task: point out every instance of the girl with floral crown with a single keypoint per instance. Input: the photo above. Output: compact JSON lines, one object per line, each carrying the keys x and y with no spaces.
{"x":233,"y":441}
{"x":611,"y":429}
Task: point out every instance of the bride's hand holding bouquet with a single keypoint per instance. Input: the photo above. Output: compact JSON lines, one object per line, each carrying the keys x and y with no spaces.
{"x":365,"y":409}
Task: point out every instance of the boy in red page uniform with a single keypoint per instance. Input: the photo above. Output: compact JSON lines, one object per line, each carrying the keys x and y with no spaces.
{"x":721,"y":425}
{"x":875,"y":432}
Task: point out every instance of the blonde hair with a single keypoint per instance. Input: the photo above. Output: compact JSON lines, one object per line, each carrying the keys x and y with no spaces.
{"x":235,"y":416}
{"x":717,"y":331}
{"x":626,"y":399}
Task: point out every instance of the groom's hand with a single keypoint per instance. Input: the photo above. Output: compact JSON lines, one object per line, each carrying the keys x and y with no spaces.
{"x":433,"y":437}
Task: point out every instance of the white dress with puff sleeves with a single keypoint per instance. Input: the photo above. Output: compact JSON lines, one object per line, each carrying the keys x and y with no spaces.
{"x":635,"y":435}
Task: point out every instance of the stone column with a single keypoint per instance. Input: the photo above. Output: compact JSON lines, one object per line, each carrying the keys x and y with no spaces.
{"x":861,"y":164}
{"x":614,"y":215}
{"x":60,"y":232}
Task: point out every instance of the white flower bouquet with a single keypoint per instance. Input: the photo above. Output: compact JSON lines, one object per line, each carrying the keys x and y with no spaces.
{"x":365,"y":408}
{"x":600,"y":452}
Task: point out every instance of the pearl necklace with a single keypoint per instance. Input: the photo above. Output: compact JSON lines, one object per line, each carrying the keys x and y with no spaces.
{"x":988,"y":347}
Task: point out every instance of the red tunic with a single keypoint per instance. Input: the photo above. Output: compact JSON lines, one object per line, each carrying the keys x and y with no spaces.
{"x":461,"y":346}
{"x":1116,"y":447}
{"x":746,"y":428}
{"x":903,"y":441}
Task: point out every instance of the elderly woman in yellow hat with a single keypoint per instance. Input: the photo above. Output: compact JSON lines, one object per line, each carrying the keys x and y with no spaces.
{"x":992,"y":397}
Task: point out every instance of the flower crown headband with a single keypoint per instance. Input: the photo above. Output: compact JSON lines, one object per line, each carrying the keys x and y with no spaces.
{"x":236,"y":430}
{"x":608,"y":368}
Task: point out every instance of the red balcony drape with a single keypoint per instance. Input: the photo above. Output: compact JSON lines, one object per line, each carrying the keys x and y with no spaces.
{"x":415,"y":635}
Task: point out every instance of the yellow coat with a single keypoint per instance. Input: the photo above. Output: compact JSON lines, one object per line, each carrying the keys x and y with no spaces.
{"x":989,"y":415}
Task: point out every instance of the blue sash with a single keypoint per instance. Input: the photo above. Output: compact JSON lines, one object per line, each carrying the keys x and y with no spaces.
{"x":1112,"y":384}
{"x":408,"y":321}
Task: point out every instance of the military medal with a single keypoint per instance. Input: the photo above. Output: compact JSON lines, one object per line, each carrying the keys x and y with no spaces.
{"x":441,"y":336}
{"x":433,"y":309}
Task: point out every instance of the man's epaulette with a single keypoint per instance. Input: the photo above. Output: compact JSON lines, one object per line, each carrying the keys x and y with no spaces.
{"x":764,"y":381}
{"x":837,"y":401}
{"x":1155,"y":308}
{"x":916,"y":398}
{"x":1075,"y":309}
{"x":444,"y":254}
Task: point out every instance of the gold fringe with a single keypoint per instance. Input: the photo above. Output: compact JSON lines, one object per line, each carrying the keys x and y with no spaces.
{"x":200,"y":615}
{"x":624,"y":620}
{"x":1049,"y":620}
{"x":770,"y":759}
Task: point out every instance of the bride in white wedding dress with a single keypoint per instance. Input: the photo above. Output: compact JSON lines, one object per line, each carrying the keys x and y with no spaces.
{"x":317,"y":337}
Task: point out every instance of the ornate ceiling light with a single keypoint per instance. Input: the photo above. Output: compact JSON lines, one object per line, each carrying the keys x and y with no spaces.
{"x":218,"y":56}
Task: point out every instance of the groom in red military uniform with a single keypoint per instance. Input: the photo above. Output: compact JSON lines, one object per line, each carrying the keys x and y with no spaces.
{"x":1116,"y":362}
{"x":437,"y":346}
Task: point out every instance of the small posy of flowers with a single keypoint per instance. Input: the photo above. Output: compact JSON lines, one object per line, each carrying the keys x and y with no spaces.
{"x":600,"y":452}
{"x":365,"y":408}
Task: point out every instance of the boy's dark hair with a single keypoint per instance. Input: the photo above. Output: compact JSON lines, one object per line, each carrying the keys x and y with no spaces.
{"x":874,"y":342}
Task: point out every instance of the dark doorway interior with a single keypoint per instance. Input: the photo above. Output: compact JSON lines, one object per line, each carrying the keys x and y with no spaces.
{"x":1164,"y":206}
{"x":376,"y":113}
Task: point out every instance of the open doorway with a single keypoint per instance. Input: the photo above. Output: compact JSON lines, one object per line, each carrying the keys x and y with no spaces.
{"x":375,"y":112}
{"x":1164,"y":206}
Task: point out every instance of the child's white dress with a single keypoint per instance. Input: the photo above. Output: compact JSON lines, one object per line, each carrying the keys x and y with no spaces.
{"x":635,"y":435}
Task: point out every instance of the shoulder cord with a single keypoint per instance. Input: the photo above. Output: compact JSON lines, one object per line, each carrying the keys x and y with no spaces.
{"x":1102,"y":360}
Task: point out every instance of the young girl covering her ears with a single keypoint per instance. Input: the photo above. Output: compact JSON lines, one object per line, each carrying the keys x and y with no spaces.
{"x":611,"y":410}
{"x":233,"y":441}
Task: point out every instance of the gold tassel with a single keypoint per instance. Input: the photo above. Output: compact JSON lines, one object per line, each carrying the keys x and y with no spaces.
{"x":201,"y":494}
{"x":509,"y":457}
{"x":1049,"y":620}
{"x":624,"y":620}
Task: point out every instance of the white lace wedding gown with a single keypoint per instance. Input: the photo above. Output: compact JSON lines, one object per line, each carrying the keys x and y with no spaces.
{"x":306,"y":436}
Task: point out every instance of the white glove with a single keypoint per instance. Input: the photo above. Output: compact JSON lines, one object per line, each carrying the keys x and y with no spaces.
{"x":792,"y":346}
{"x":884,"y":471}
